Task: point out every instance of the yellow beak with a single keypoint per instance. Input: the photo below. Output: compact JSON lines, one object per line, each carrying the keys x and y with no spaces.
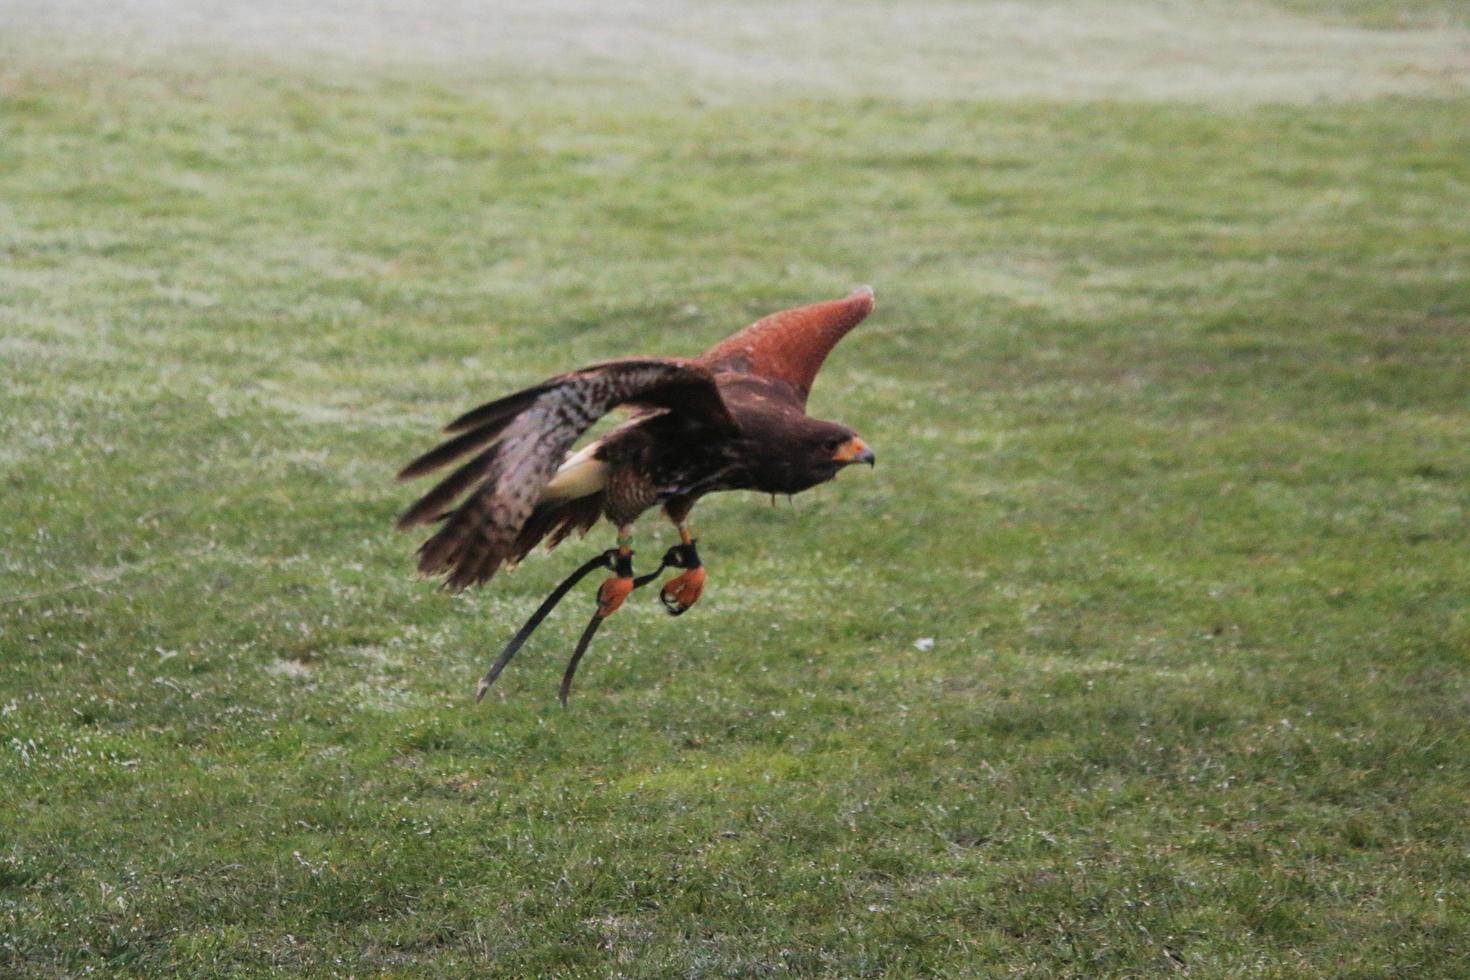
{"x":854,"y":450}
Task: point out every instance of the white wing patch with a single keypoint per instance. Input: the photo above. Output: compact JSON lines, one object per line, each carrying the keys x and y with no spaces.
{"x":578,"y":476}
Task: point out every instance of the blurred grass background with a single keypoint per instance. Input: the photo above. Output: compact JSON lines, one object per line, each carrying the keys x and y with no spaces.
{"x":1169,"y":392}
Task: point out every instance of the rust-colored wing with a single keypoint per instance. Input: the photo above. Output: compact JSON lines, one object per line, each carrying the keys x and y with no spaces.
{"x":529,"y":434}
{"x":791,"y":345}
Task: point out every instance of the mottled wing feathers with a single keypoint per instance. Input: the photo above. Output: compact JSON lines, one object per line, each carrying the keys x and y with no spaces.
{"x":791,"y":345}
{"x":529,"y":435}
{"x":501,"y":410}
{"x":431,"y":506}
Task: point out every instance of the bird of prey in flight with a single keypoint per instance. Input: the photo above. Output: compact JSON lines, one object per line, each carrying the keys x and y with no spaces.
{"x":733,"y":418}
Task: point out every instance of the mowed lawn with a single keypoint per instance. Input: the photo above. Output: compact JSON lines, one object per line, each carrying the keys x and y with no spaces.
{"x":1171,"y":404}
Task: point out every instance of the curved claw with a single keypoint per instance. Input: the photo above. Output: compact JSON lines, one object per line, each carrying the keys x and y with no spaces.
{"x":682,"y":591}
{"x":611,"y":593}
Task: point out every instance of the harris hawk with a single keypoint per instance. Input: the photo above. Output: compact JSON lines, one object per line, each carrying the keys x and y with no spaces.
{"x":733,"y":418}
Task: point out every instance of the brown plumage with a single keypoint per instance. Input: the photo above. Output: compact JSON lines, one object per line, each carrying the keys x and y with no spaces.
{"x":733,"y":418}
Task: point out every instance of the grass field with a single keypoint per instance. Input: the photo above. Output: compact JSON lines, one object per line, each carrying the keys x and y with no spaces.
{"x":1170,"y":399}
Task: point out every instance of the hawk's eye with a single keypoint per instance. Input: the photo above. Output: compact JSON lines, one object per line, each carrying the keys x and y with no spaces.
{"x":835,"y":444}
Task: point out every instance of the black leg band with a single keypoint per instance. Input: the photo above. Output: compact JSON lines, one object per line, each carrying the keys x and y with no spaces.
{"x":679,"y":556}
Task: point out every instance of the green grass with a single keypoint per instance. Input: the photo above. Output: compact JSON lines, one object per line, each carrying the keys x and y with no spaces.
{"x":1170,"y":404}
{"x":1383,"y":14}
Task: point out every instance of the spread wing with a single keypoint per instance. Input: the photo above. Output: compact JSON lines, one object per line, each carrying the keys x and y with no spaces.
{"x":521,"y":440}
{"x":790,"y":346}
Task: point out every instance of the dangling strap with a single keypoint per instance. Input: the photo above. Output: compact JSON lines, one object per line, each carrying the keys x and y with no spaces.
{"x":604,"y":560}
{"x":679,"y":556}
{"x":582,"y":645}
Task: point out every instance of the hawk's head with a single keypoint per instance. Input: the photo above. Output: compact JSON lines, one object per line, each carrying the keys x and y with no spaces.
{"x":817,"y":450}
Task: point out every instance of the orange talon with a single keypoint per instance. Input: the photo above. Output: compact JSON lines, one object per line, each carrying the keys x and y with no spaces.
{"x":683,"y":591}
{"x":611,"y":595}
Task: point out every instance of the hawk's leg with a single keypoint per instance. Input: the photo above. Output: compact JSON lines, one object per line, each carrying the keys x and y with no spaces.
{"x":683,"y":591}
{"x":614,"y":590}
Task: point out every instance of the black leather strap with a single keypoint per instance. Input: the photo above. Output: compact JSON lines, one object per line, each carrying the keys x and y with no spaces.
{"x":679,"y":556}
{"x":604,"y":560}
